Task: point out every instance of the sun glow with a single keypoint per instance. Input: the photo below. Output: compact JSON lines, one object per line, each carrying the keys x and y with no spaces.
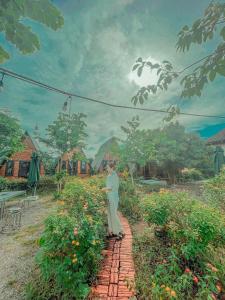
{"x":148,"y":76}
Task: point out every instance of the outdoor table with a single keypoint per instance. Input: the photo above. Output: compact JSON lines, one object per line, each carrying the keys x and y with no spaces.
{"x":5,"y":196}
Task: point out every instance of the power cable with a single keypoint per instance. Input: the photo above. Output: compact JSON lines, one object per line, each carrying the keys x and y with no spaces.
{"x":54,"y":89}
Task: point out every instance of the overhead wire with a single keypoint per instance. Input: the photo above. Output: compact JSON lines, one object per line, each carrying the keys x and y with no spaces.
{"x":68,"y":94}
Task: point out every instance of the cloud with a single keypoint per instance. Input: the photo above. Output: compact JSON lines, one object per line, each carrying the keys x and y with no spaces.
{"x":92,"y":55}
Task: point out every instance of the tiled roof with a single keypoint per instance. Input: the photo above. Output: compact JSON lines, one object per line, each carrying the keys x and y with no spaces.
{"x":217,"y":138}
{"x":106,"y":152}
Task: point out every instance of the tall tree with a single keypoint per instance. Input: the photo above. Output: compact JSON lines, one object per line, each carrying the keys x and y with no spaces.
{"x":10,"y":135}
{"x":67,"y":131}
{"x":137,"y":147}
{"x":13,"y":12}
{"x":209,"y":26}
{"x":177,"y":149}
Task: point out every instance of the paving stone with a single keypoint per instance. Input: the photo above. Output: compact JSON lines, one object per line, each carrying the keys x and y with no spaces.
{"x":117,"y":269}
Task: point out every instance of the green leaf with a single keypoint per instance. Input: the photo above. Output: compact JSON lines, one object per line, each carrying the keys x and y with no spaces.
{"x":221,"y":70}
{"x":222,"y":32}
{"x":44,"y":12}
{"x":141,"y":99}
{"x":22,"y":37}
{"x":139,"y":72}
{"x":135,"y":67}
{"x":212,"y":75}
{"x":146,"y":96}
{"x":3,"y":55}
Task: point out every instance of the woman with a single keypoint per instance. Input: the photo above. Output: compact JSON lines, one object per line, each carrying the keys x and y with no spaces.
{"x":112,"y":187}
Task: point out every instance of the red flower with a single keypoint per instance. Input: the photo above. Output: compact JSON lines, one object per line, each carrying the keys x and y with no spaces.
{"x":195,"y":279}
{"x":187,"y":270}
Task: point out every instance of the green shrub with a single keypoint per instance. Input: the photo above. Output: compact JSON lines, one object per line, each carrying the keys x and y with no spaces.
{"x":214,"y":190}
{"x":190,"y":224}
{"x":191,"y":175}
{"x":3,"y":184}
{"x":71,"y":245}
{"x":46,"y":183}
{"x":162,"y":273}
{"x":13,"y":184}
{"x":129,"y":206}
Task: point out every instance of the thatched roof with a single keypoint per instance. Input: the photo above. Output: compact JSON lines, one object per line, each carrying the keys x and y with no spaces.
{"x":216,"y":139}
{"x":108,"y":151}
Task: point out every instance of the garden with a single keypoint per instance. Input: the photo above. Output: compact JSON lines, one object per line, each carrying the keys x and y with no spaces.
{"x":179,"y":248}
{"x":66,"y":124}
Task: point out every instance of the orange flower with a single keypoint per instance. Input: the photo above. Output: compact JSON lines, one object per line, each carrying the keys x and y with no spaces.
{"x":219,"y":287}
{"x":173,"y":294}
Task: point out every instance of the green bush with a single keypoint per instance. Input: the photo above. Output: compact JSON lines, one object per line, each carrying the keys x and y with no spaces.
{"x":12,"y":185}
{"x":129,"y":201}
{"x":214,"y":190}
{"x":46,"y":183}
{"x":163,"y":274}
{"x":129,"y":206}
{"x":190,"y":224}
{"x":3,"y":184}
{"x":71,"y":245}
{"x":191,"y":175}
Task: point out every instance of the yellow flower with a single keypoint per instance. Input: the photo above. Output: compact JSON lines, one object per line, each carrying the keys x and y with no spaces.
{"x":74,"y":260}
{"x":61,"y":202}
{"x":167,"y":289}
{"x":77,"y":243}
{"x":73,"y":242}
{"x":94,"y":242}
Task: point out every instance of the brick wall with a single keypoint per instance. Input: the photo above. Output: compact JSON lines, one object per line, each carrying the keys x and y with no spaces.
{"x":23,"y":155}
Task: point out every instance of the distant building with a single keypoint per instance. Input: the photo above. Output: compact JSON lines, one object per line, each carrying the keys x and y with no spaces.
{"x":17,"y":166}
{"x":75,"y":163}
{"x":108,"y":152}
{"x":217,"y":139}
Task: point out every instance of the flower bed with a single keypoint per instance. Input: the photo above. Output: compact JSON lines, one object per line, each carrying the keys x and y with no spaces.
{"x":71,"y":244}
{"x":180,"y":254}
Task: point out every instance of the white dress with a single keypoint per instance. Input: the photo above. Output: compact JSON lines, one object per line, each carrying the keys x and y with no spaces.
{"x":114,"y":224}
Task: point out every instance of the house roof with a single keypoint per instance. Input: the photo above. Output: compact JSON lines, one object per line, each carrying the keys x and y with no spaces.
{"x":217,"y":138}
{"x":107,"y":151}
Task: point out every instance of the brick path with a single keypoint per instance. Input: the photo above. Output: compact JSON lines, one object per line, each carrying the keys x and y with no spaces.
{"x":116,"y":278}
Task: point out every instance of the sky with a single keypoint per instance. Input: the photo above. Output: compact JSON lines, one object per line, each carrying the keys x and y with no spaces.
{"x":93,"y":54}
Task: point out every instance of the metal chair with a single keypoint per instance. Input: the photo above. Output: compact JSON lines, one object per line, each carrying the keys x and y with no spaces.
{"x":12,"y":218}
{"x":26,"y":201}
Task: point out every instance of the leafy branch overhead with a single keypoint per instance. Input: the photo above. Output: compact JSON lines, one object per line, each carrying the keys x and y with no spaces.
{"x":14,"y":12}
{"x":201,"y":31}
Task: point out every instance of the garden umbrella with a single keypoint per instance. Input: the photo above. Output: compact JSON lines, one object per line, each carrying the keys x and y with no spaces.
{"x":219,"y":159}
{"x":34,"y":171}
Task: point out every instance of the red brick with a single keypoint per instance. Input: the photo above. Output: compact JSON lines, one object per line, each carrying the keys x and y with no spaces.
{"x":113,"y":290}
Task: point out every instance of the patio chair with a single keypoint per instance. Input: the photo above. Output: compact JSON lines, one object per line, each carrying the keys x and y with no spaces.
{"x":26,"y":201}
{"x":12,"y":218}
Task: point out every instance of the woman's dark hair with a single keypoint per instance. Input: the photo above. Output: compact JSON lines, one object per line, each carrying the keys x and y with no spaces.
{"x":112,"y":165}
